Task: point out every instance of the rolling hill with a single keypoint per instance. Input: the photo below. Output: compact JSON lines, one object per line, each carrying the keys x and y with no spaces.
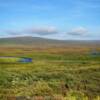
{"x":36,"y":41}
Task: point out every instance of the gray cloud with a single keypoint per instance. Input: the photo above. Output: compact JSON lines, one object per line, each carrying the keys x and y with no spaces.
{"x":78,"y":31}
{"x":42,"y":30}
{"x":33,"y":31}
{"x":48,"y":31}
{"x":12,"y":32}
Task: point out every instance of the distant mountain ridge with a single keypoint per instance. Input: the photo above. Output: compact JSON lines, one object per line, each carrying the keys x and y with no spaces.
{"x":43,"y":41}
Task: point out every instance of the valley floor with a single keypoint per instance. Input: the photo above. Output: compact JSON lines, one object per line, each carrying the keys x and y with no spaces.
{"x":55,"y":73}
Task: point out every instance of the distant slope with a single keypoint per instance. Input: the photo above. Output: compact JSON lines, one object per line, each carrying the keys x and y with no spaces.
{"x":36,"y":41}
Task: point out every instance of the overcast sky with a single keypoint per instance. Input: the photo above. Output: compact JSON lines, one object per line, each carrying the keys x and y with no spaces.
{"x":57,"y":19}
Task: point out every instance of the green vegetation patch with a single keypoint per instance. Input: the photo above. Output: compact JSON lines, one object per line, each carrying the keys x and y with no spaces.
{"x":67,"y":75}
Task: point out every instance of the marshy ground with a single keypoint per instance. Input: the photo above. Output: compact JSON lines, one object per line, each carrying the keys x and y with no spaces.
{"x":65,"y":73}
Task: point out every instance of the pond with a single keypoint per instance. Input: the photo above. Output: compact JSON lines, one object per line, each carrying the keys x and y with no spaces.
{"x":95,"y":53}
{"x":5,"y":59}
{"x":25,"y":60}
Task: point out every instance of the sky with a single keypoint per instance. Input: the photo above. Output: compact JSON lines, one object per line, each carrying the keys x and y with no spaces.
{"x":55,"y":19}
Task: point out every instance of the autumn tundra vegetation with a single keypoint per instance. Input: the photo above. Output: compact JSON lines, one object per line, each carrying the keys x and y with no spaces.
{"x":55,"y":73}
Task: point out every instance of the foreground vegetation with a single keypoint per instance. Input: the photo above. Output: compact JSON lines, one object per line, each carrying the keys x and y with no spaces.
{"x":64,"y":73}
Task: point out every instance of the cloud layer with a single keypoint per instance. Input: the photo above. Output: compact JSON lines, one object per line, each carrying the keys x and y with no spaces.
{"x":32,"y":31}
{"x":47,"y":31}
{"x":78,"y":31}
{"x":50,"y":32}
{"x":42,"y":30}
